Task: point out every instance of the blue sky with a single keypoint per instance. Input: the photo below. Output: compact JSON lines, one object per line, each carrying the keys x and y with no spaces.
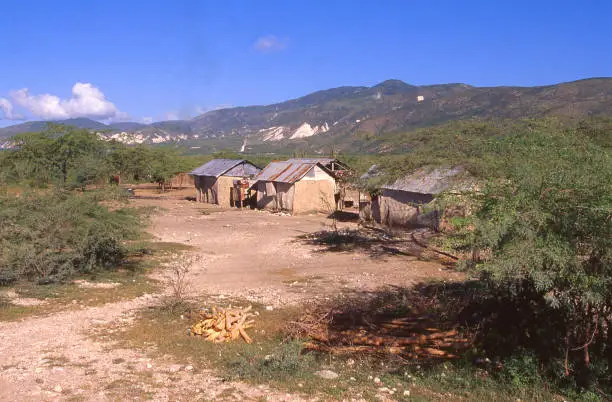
{"x":154,"y":60}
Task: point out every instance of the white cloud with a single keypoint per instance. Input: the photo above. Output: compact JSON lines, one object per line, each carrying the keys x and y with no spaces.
{"x":6,"y":110}
{"x":269,"y":43}
{"x":147,"y":120}
{"x":86,"y":101}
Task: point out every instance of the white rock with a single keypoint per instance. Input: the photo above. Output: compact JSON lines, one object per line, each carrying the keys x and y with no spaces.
{"x":327,"y":374}
{"x":58,"y":388}
{"x":407,"y":392}
{"x":189,"y":368}
{"x":377,"y":380}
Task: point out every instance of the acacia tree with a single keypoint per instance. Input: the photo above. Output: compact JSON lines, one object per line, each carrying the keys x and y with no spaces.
{"x":547,"y":224}
{"x":64,"y":154}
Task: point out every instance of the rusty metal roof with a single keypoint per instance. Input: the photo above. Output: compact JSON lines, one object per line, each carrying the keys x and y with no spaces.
{"x":285,"y":172}
{"x":323,"y":161}
{"x":218,"y":167}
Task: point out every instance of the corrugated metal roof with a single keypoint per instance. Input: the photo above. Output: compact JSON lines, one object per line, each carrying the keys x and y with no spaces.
{"x":285,"y":172}
{"x":428,"y":181}
{"x":217,"y":167}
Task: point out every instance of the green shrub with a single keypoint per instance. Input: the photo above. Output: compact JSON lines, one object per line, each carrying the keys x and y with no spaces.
{"x":51,"y":236}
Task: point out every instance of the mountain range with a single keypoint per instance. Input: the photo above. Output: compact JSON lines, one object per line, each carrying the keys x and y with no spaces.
{"x":391,"y":106}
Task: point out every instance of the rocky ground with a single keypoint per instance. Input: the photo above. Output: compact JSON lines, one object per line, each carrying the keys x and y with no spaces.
{"x":248,"y":254}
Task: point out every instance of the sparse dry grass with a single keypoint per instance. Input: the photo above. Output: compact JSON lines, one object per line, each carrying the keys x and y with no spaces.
{"x":283,"y":363}
{"x":132,"y":281}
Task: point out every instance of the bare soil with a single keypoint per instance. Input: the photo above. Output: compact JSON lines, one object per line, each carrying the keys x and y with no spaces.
{"x":263,"y":257}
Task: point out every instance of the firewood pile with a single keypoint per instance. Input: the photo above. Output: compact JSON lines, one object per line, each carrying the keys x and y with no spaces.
{"x":224,"y":325}
{"x":409,"y":337}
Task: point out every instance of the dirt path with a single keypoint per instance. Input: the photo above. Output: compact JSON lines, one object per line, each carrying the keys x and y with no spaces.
{"x":262,"y":256}
{"x":60,"y":357}
{"x":246,"y":253}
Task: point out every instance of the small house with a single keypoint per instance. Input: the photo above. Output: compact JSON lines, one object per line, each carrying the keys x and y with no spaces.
{"x":296,"y":187}
{"x":215,"y":181}
{"x":403,"y":203}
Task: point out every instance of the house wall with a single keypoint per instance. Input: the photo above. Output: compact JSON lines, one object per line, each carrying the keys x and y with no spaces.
{"x":275,"y":196}
{"x":214,"y":190}
{"x":266,"y":195}
{"x":401,"y":208}
{"x":206,"y":189}
{"x":314,"y":195}
{"x":285,"y":193}
{"x":224,"y":190}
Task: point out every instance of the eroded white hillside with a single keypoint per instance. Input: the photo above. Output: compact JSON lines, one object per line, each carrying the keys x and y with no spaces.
{"x":306,"y":130}
{"x":273,"y":133}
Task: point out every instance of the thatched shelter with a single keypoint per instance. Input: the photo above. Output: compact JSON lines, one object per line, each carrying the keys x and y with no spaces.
{"x":404,"y":202}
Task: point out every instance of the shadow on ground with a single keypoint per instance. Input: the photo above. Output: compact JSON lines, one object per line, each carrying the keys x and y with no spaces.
{"x":376,"y":243}
{"x":422,"y":323}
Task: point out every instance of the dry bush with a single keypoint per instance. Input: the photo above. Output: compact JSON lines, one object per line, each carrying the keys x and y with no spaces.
{"x":177,"y":278}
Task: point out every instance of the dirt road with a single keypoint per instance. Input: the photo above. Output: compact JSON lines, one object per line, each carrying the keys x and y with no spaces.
{"x":263,"y":256}
{"x":245,"y":253}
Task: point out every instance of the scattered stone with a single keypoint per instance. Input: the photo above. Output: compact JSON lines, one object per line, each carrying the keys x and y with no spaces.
{"x":327,"y":374}
{"x":407,"y":392}
{"x":175,"y":368}
{"x":91,"y":285}
{"x":269,"y":308}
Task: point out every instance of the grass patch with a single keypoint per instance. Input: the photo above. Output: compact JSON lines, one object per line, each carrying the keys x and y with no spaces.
{"x":128,"y":281}
{"x":283,"y":363}
{"x":12,"y":312}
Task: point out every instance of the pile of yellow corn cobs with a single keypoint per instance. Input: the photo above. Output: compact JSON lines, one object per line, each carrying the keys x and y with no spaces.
{"x":224,"y":325}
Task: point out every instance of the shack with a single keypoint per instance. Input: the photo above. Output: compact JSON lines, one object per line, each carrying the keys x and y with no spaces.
{"x":346,"y":195}
{"x":296,"y":187}
{"x":215,"y":181}
{"x":407,"y":201}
